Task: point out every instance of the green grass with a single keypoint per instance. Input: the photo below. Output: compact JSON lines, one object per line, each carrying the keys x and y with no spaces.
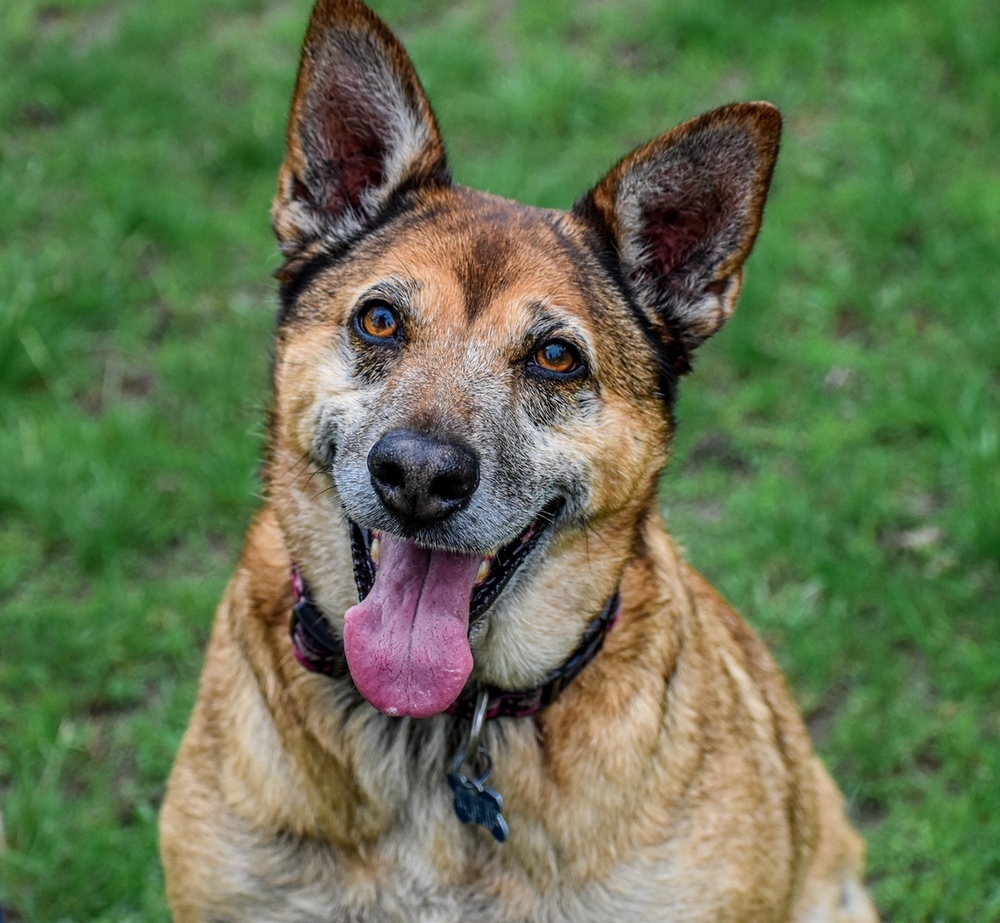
{"x":837,"y":471}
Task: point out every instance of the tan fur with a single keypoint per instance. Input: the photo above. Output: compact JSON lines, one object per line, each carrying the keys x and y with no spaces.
{"x":673,"y":779}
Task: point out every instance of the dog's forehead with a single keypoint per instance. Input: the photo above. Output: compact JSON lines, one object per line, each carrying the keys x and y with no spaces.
{"x":476,"y":251}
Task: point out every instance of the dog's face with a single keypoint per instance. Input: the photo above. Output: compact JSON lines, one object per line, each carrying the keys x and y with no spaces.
{"x":472,"y":397}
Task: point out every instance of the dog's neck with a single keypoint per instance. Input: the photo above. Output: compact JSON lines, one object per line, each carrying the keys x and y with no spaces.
{"x":319,"y":650}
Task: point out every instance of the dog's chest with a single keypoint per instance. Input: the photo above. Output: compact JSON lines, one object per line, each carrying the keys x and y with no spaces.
{"x":415,"y":877}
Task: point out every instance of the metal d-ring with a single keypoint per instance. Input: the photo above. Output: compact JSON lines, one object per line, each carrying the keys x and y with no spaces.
{"x":472,"y":746}
{"x":476,"y":777}
{"x":478,"y":719}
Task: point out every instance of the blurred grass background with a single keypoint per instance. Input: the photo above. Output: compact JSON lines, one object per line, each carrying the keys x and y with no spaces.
{"x":837,"y":471}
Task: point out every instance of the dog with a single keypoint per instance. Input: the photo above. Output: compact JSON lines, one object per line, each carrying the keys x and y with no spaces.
{"x":462,"y":672}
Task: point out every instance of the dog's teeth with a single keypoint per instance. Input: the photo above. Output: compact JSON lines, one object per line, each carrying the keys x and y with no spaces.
{"x":375,"y":550}
{"x":484,"y":570}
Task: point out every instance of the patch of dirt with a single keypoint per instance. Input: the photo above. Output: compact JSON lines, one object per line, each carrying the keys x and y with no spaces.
{"x":925,"y":543}
{"x":717,"y":448}
{"x":35,"y":115}
{"x":118,"y":380}
{"x":870,"y":813}
{"x":820,"y":719}
{"x":50,"y":15}
{"x":851,"y":324}
{"x":87,"y":28}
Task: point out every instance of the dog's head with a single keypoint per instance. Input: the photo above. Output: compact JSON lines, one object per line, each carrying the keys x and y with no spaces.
{"x":473,"y":397}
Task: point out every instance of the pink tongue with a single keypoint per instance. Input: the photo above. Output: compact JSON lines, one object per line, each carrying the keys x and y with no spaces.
{"x":407,"y":643}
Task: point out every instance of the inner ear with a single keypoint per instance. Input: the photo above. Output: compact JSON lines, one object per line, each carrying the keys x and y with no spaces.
{"x":343,"y":136}
{"x":674,"y":228}
{"x":360,"y":130}
{"x":683,"y":213}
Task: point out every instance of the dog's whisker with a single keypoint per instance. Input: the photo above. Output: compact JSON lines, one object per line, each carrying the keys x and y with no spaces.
{"x":329,"y":489}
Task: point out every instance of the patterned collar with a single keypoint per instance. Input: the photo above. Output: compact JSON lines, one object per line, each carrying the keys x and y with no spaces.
{"x":319,"y":650}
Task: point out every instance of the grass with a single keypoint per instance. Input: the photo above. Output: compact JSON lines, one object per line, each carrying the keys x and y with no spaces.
{"x":837,"y":471}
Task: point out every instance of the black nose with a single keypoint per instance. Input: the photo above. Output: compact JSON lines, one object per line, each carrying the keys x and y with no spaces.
{"x":420,"y":478}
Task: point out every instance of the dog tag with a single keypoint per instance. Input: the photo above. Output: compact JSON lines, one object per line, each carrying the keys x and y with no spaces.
{"x":475,"y":803}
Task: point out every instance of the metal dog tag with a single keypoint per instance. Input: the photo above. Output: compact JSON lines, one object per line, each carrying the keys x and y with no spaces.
{"x":474,"y":802}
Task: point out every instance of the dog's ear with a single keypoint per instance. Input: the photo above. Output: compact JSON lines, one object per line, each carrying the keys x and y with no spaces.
{"x":682,"y":213}
{"x":360,"y":129}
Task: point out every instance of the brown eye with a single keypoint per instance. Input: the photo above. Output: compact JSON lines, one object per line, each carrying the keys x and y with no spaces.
{"x":378,"y":321}
{"x":558,"y":359}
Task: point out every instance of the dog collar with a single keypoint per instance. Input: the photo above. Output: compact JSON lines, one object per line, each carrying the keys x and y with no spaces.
{"x":319,"y":650}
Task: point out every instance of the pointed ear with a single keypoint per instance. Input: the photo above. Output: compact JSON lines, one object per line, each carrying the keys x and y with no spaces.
{"x":683,"y":212}
{"x":360,"y":129}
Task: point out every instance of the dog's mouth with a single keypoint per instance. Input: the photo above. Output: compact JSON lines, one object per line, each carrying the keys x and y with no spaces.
{"x":493,"y":570}
{"x":407,"y":639}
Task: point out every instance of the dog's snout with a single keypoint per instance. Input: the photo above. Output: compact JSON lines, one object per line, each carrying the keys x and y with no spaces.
{"x":420,"y":478}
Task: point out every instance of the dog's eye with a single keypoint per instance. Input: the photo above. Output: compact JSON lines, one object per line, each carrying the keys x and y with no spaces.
{"x":378,"y":321}
{"x":557,"y":359}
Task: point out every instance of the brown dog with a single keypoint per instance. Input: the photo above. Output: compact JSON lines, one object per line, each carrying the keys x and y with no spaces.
{"x":472,"y":409}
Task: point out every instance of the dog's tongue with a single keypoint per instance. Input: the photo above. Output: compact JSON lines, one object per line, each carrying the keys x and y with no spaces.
{"x":407,"y":643}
